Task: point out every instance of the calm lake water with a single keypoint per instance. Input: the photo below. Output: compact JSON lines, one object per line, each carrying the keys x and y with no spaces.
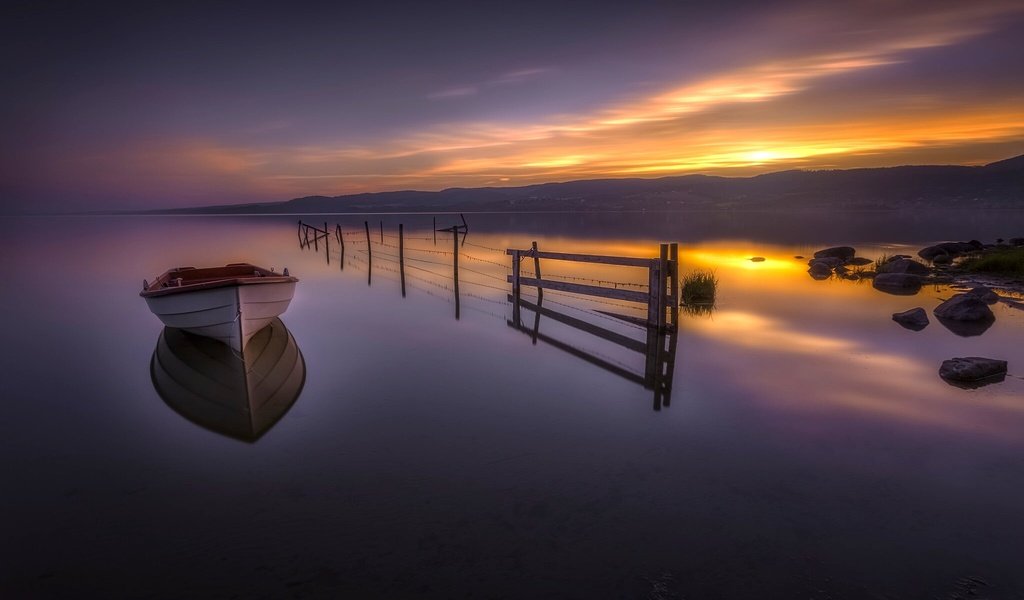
{"x":808,"y":448}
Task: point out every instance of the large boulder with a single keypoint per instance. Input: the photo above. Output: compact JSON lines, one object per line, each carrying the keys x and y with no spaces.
{"x":972,"y":371}
{"x":952,"y":249}
{"x":1016,"y":241}
{"x":859,"y":261}
{"x":840,"y":252}
{"x":914,"y":319}
{"x":901,"y":284}
{"x":964,"y":307}
{"x":903,"y":265}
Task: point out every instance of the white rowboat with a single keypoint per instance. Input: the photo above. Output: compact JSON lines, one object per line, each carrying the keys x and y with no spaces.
{"x":230,"y":303}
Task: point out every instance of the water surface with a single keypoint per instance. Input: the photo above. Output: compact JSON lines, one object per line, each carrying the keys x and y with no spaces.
{"x":807,"y":448}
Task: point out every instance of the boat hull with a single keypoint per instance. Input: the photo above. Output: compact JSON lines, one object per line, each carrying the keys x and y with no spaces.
{"x":230,"y":314}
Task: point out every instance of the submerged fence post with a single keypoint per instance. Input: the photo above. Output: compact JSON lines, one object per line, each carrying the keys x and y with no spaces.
{"x":401,"y":256}
{"x":435,"y":231}
{"x":536,"y":271}
{"x":673,"y":272}
{"x":369,"y":254}
{"x":382,"y":233}
{"x":515,"y":275}
{"x":662,"y":283}
{"x":455,"y":267}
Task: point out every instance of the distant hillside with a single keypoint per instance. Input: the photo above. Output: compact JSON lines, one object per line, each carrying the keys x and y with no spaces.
{"x":993,"y":186}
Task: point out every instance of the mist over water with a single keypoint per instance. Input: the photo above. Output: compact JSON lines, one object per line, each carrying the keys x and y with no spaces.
{"x":808,"y":442}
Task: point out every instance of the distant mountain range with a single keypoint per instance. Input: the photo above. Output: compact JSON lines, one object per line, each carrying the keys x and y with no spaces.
{"x":993,"y":186}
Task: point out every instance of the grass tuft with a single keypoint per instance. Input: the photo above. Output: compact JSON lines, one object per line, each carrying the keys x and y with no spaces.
{"x":699,"y":287}
{"x":1009,"y":261}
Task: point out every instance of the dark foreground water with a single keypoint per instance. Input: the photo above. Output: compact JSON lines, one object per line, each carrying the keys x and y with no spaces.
{"x":808,"y":448}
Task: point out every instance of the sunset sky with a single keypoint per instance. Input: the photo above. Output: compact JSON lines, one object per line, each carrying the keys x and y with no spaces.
{"x":108,"y":106}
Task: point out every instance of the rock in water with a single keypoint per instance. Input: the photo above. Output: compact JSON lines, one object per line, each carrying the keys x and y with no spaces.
{"x":914,"y":319}
{"x":902,"y":284}
{"x":840,"y":252}
{"x":859,"y":261}
{"x":985,"y":294}
{"x":953,"y":249}
{"x":903,"y":265}
{"x":820,"y":271}
{"x":964,"y":307}
{"x":757,"y":259}
{"x":829,"y":261}
{"x":972,"y":371}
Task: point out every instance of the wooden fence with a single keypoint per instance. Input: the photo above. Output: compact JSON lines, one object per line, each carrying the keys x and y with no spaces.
{"x":662,"y":277}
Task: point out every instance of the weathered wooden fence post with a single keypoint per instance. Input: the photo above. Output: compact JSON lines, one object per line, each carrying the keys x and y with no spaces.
{"x":673,"y":250}
{"x":455,"y":267}
{"x":536,"y":270}
{"x":662,"y":284}
{"x":369,"y":254}
{"x":401,"y":256}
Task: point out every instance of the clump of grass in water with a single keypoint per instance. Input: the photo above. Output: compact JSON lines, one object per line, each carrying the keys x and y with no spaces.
{"x":1004,"y":262}
{"x":881,"y":260}
{"x":699,"y":288}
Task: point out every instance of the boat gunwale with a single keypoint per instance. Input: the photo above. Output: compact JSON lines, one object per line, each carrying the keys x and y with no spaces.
{"x":155,"y":288}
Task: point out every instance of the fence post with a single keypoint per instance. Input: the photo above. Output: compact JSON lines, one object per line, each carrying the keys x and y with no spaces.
{"x":536,"y":270}
{"x":455,"y":267}
{"x":662,"y":285}
{"x":435,"y":231}
{"x":369,"y":254}
{"x":653,"y":278}
{"x":382,"y":233}
{"x":515,"y":274}
{"x":401,"y":256}
{"x":674,"y":273}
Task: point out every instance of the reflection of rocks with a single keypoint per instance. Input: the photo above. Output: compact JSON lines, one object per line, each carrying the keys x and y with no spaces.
{"x":914,"y":319}
{"x":843,"y":253}
{"x":972,"y":371}
{"x":964,"y":307}
{"x":967,"y":328}
{"x":903,"y":265}
{"x":901,"y":284}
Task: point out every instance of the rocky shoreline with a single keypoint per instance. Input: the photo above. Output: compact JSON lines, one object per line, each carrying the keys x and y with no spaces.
{"x":967,"y":313}
{"x":905,"y":275}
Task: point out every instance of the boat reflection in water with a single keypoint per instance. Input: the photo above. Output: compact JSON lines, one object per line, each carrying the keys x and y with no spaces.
{"x":240,"y":396}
